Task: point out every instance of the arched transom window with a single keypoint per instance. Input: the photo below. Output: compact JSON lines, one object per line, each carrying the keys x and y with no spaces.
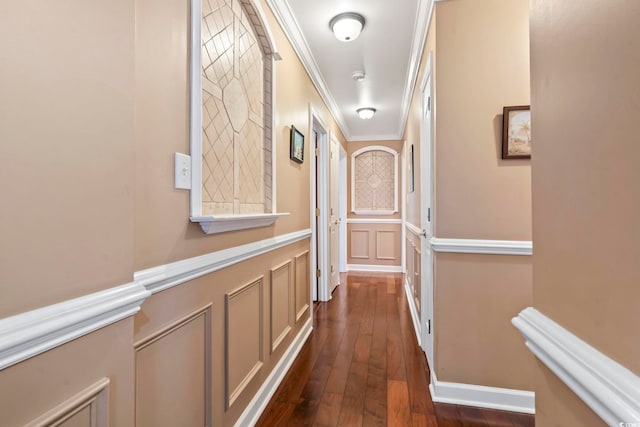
{"x":374,"y":181}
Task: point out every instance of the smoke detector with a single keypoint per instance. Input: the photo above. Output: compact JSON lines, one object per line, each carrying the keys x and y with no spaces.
{"x":358,"y":76}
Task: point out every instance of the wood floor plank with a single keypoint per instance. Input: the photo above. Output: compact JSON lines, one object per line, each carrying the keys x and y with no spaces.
{"x":328,"y":410}
{"x":398,"y":408}
{"x":362,"y":366}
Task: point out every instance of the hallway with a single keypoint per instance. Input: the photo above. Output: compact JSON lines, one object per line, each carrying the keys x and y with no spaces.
{"x":362,"y":367}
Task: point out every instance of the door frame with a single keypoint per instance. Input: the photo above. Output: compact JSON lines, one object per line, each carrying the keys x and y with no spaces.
{"x":319,"y":192}
{"x":342,"y":236}
{"x":427,"y":175}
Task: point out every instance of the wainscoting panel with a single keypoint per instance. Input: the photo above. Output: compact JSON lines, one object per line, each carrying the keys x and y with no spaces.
{"x":89,"y":408}
{"x":173,"y":374}
{"x":281,"y":296}
{"x":243,"y":338}
{"x":302,"y":284}
{"x":374,"y":246}
{"x":417,"y":278}
{"x":360,"y":244}
{"x":387,"y":244}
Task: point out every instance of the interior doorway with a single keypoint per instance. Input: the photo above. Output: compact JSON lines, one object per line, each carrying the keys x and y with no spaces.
{"x":319,"y":203}
{"x":426,"y":212}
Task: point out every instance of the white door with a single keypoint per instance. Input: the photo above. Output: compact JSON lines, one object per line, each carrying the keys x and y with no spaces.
{"x":426,"y":216}
{"x":334,"y":214}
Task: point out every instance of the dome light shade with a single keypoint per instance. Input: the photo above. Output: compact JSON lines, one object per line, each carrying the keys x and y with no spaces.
{"x":366,"y":113}
{"x":347,"y":26}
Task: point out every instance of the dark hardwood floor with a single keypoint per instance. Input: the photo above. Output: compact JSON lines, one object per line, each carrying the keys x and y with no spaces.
{"x":362,"y":366}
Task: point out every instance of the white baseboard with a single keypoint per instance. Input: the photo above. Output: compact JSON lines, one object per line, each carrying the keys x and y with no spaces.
{"x":611,"y":390}
{"x":259,"y":402}
{"x":375,"y":268}
{"x":414,"y":313}
{"x":504,"y":399}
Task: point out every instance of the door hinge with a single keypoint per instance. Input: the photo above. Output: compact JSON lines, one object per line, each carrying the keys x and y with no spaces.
{"x":318,"y":273}
{"x":317,"y":151}
{"x":429,"y":104}
{"x":429,"y":214}
{"x":429,"y":326}
{"x":317,"y":211}
{"x":333,"y":269}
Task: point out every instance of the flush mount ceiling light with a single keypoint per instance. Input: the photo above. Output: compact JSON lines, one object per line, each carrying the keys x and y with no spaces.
{"x":347,"y":26}
{"x":358,"y":76}
{"x":366,"y":113}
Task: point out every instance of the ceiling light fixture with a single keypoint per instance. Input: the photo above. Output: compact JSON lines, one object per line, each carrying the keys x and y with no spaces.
{"x":358,"y":76}
{"x":347,"y":26}
{"x":366,"y":113}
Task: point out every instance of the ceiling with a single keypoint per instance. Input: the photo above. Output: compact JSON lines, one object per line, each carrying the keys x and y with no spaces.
{"x":388,"y":51}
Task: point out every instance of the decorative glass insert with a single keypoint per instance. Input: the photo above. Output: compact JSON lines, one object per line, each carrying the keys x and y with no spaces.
{"x":232,"y":66}
{"x":236,"y":137}
{"x":374,"y":176}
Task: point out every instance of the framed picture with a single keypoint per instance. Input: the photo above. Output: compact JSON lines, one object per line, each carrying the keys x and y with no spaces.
{"x":297,"y":145}
{"x":516,"y":132}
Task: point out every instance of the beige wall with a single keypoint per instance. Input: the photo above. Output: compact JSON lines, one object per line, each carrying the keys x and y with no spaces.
{"x":476,"y":296}
{"x":163,"y":232}
{"x":374,"y":244}
{"x":480,"y":57}
{"x":67,"y":131}
{"x":90,"y":126}
{"x":584,"y":63}
{"x":483,"y":65}
{"x":38,"y":385}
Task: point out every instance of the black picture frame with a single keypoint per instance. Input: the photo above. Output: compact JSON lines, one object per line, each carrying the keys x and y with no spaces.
{"x":296,"y":152}
{"x":516,"y":132}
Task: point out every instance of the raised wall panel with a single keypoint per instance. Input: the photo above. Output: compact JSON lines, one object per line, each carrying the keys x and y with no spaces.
{"x":173,"y":374}
{"x":386,"y":244}
{"x":243,"y":334}
{"x":360,"y":244}
{"x":302,"y":284}
{"x":88,"y":408}
{"x":416,"y":277}
{"x":281,"y":286}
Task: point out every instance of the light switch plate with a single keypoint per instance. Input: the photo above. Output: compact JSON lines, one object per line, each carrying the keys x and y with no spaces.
{"x":182,"y":171}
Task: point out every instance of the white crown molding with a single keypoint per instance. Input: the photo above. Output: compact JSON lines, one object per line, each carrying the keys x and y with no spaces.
{"x":421,"y":28}
{"x":375,"y":268}
{"x":610,"y":389}
{"x":260,"y":400}
{"x":491,"y":247}
{"x":414,"y":312}
{"x":166,"y":276}
{"x":285,"y":17}
{"x":28,"y":334}
{"x":504,"y":399}
{"x":374,"y":221}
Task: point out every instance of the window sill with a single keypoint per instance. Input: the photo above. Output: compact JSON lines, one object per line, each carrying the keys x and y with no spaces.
{"x":222,"y":223}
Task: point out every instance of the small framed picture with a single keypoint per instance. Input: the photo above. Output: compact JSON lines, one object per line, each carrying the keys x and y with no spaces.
{"x":297,"y":145}
{"x":516,"y":132}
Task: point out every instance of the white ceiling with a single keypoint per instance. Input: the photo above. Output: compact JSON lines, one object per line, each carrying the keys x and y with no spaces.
{"x":388,"y":51}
